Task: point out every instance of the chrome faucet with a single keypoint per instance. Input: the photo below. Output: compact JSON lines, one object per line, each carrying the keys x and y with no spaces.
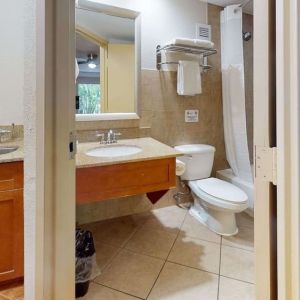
{"x":111,"y":137}
{"x":6,"y":132}
{"x":3,"y":132}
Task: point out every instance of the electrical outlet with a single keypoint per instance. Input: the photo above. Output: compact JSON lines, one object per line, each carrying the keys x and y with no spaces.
{"x":192,"y":116}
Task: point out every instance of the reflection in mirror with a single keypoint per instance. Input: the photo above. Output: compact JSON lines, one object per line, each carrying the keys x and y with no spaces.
{"x":88,"y":81}
{"x":105,"y":54}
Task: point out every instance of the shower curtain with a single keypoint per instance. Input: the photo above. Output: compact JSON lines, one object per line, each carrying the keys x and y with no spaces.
{"x":234,"y":111}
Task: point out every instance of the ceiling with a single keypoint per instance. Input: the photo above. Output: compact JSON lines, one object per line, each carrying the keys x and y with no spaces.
{"x":111,"y":28}
{"x":248,"y":8}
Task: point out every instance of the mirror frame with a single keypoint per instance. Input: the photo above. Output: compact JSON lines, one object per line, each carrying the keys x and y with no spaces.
{"x":123,"y":13}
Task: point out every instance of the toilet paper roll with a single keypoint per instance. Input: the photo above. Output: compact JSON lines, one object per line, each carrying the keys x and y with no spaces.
{"x":180,"y":167}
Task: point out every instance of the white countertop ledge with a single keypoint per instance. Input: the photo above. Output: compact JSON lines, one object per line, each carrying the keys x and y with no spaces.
{"x":151,"y":150}
{"x":15,"y":156}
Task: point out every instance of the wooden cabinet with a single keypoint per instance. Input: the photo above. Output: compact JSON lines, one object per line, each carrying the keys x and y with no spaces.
{"x":11,"y":221}
{"x":106,"y":182}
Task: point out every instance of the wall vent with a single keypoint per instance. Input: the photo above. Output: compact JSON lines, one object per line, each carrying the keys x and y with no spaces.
{"x":203,"y":32}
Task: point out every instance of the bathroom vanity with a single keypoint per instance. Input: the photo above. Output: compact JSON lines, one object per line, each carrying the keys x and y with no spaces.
{"x":103,"y":172}
{"x":11,"y":215}
{"x":105,"y":177}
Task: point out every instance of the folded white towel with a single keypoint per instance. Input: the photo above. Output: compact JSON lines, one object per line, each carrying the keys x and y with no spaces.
{"x":180,"y":167}
{"x":192,"y":42}
{"x":189,"y":78}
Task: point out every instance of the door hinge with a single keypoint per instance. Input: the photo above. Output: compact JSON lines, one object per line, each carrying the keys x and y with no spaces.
{"x":266,"y":164}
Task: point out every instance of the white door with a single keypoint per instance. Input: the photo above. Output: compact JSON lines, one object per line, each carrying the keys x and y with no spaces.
{"x":49,"y":168}
{"x":288,"y":143}
{"x":264,"y":140}
{"x":277,"y":110}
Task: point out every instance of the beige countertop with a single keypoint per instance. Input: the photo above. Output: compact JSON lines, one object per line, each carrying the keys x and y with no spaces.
{"x":17,"y":155}
{"x":151,"y":149}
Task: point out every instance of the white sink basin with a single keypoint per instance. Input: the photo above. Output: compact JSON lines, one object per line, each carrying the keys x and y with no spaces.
{"x":5,"y":150}
{"x":114,"y":151}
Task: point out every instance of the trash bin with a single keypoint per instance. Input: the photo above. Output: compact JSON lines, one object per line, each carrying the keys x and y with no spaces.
{"x":86,"y":265}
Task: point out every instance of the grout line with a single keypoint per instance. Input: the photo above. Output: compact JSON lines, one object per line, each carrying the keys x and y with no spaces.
{"x":166,"y":259}
{"x":110,"y":260}
{"x":131,"y":236}
{"x":240,"y":280}
{"x":118,"y":291}
{"x":202,"y":239}
{"x":251,"y":251}
{"x":142,"y":254}
{"x":193,"y":268}
{"x":219,"y":276}
{"x":123,"y":247}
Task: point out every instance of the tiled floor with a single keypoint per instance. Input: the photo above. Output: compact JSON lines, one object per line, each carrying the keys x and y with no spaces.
{"x":14,"y":291}
{"x":167,"y":255}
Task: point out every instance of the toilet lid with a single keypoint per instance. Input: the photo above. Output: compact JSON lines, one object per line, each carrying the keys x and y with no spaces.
{"x":222,"y":190}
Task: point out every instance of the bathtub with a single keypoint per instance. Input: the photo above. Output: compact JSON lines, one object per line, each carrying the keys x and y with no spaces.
{"x":247,"y":187}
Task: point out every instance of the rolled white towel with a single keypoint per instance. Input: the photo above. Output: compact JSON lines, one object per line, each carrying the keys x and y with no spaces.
{"x":180,"y":167}
{"x":192,"y":42}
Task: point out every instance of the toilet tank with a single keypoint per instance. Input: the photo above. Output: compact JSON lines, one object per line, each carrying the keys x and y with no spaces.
{"x":198,"y":158}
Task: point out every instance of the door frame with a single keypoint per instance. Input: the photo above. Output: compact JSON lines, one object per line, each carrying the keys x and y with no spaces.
{"x":288,"y":137}
{"x":264,"y":136}
{"x":277,"y":210}
{"x":49,"y":196}
{"x":50,"y":206}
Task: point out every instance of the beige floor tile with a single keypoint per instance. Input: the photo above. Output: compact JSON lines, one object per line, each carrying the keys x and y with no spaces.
{"x":196,"y":253}
{"x":167,"y":218}
{"x":14,"y":293}
{"x":157,"y":243}
{"x":231,"y":289}
{"x":243,"y":219}
{"x":131,"y":273}
{"x":192,"y":228}
{"x":104,"y":254}
{"x":244,"y":239}
{"x":140,"y":218}
{"x":237,"y":264}
{"x":114,"y":232}
{"x":98,"y":292}
{"x":182,"y":283}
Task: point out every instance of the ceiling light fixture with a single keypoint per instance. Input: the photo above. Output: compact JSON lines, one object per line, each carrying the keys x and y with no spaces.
{"x":92,"y":65}
{"x":91,"y":61}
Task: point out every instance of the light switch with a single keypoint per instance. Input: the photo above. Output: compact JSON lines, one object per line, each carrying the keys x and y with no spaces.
{"x":192,"y":116}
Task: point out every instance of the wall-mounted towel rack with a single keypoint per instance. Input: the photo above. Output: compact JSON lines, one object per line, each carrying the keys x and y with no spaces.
{"x":203,"y":52}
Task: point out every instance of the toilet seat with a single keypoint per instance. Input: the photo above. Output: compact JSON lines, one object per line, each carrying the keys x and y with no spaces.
{"x":219,"y":192}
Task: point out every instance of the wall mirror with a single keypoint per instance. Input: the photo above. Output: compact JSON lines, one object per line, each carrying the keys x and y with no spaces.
{"x":107,"y":62}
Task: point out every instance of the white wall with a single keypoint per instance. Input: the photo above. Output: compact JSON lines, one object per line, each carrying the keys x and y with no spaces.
{"x":163,"y":20}
{"x":11,"y":62}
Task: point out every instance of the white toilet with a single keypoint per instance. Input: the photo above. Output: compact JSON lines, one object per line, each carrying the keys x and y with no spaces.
{"x":215,"y":201}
